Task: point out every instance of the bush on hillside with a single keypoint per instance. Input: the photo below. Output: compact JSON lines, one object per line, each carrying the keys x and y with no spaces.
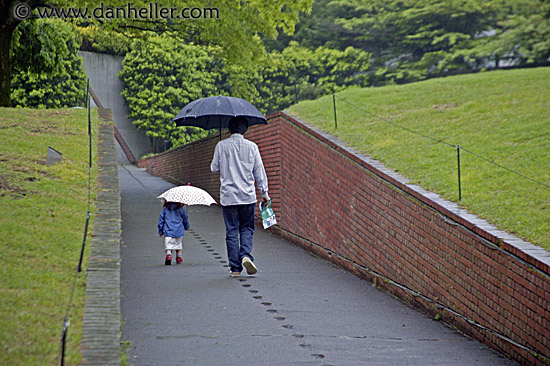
{"x":54,"y":77}
{"x":160,"y":78}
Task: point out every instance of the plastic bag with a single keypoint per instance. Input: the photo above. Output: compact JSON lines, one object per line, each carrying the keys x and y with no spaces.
{"x":268,"y":216}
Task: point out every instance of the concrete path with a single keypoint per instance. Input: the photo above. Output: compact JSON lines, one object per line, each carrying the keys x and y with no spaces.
{"x":298,"y":309}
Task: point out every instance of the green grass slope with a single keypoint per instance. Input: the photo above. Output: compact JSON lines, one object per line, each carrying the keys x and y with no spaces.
{"x":43,"y":213}
{"x":501,"y":116}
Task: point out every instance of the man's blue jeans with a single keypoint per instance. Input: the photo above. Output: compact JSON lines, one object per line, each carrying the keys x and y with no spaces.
{"x":239,"y":229}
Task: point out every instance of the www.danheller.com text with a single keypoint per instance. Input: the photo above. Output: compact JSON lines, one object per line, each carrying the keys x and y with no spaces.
{"x":129,"y":11}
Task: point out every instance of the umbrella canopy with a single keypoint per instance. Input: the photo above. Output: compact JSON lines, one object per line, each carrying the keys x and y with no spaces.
{"x":188,"y":195}
{"x":215,"y":112}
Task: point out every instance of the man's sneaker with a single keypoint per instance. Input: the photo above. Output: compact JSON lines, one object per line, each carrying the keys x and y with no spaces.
{"x":179,"y":260}
{"x":235,"y":274}
{"x":168,"y":260}
{"x":249,"y":265}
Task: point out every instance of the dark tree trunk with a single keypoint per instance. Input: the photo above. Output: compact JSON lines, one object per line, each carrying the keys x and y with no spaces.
{"x":8,"y":23}
{"x":6,"y":33}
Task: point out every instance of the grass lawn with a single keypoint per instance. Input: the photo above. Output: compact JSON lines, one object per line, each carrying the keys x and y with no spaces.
{"x":503,"y":116}
{"x":43,"y":213}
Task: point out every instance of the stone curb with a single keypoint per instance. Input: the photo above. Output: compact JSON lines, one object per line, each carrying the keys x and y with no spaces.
{"x":100,"y":343}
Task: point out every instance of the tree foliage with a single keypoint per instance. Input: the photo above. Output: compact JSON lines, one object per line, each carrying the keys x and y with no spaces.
{"x":236,"y":29}
{"x":98,"y":39}
{"x":162,"y":76}
{"x":299,"y":73}
{"x":415,"y":39}
{"x":236,"y":32}
{"x":412,"y":40}
{"x":525,"y":34}
{"x":341,"y":43}
{"x":48,"y":70}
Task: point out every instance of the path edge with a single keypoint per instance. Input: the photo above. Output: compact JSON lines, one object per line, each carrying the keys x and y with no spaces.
{"x":101,"y":325}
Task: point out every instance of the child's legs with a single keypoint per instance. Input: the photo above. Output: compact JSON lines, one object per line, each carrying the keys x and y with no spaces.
{"x":173,"y":244}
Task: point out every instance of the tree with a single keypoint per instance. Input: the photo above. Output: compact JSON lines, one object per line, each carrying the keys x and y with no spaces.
{"x":160,"y":77}
{"x":8,"y":23}
{"x":97,"y":39}
{"x":299,"y":73}
{"x":318,"y":28}
{"x":65,"y":85}
{"x":413,"y":39}
{"x":235,"y":29}
{"x":524,"y":36}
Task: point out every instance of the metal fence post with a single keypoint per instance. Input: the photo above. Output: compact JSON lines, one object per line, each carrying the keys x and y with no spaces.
{"x":334,"y":104}
{"x":459,"y":183}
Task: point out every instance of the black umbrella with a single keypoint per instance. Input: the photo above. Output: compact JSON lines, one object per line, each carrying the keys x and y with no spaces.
{"x":215,"y":112}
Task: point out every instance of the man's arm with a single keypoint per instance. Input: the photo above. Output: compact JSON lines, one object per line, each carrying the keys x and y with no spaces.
{"x":260,"y":176}
{"x":215,"y":165}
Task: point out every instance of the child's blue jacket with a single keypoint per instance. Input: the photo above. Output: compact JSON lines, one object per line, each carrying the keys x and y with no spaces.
{"x":173,"y":222}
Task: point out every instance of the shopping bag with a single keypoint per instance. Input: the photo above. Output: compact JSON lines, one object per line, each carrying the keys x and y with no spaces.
{"x":268,"y":216}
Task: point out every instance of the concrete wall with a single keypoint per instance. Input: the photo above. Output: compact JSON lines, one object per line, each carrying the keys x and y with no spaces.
{"x":102,"y":70}
{"x":351,"y":210}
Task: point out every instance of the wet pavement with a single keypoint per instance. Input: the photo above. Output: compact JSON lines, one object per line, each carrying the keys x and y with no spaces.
{"x":297,"y":310}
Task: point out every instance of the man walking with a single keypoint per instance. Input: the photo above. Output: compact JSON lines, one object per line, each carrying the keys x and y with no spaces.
{"x":239,"y":163}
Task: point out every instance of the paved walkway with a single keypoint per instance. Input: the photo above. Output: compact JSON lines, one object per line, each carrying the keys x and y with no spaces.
{"x":298,"y":309}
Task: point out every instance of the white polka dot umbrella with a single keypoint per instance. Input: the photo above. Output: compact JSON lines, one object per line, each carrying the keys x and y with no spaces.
{"x":188,"y":195}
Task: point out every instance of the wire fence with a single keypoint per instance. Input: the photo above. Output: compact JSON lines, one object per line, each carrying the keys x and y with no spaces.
{"x":66,"y":318}
{"x":436,"y":140}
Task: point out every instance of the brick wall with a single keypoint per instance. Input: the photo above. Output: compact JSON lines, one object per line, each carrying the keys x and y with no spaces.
{"x":187,"y":164}
{"x":356,"y":213}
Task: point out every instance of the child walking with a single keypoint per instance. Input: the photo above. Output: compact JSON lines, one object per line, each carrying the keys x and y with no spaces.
{"x":173,"y":222}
